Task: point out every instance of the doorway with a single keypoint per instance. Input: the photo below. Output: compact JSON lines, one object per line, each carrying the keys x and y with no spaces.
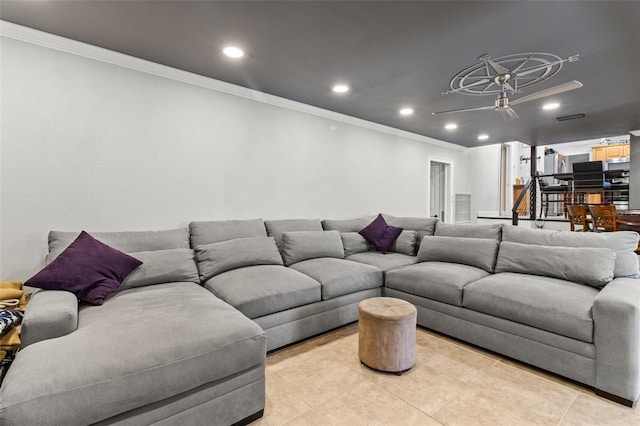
{"x":438,"y":190}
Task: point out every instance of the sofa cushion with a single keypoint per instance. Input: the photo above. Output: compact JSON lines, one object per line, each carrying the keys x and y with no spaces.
{"x":405,"y":243}
{"x":303,"y":245}
{"x":585,"y":265}
{"x":478,"y":252}
{"x":354,"y":243}
{"x":49,"y":314}
{"x":346,"y":225}
{"x":380,"y":234}
{"x":264,"y":289}
{"x":276,"y":228}
{"x":339,"y":277}
{"x":87,"y":268}
{"x":441,"y":281}
{"x":223,"y":256}
{"x":468,"y":231}
{"x":422,"y":225}
{"x":623,"y":242}
{"x":143,"y":346}
{"x":127,"y":242}
{"x":550,"y":304}
{"x":222,"y":230}
{"x":384,"y":261}
{"x":162,"y":266}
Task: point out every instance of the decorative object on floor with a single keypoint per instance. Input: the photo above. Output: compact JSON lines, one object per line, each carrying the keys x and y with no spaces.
{"x":506,"y":74}
{"x":387,"y":334}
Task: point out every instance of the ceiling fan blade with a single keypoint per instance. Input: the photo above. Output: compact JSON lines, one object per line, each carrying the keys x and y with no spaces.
{"x":497,"y":67}
{"x":463,"y":110}
{"x":508,"y":114}
{"x":548,"y":92}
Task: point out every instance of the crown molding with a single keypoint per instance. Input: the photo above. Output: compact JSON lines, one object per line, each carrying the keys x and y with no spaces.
{"x":41,"y":38}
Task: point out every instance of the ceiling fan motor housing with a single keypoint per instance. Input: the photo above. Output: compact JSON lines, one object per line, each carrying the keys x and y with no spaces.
{"x":502,"y":101}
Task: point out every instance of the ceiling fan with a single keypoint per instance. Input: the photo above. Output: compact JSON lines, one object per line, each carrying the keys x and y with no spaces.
{"x":493,"y":77}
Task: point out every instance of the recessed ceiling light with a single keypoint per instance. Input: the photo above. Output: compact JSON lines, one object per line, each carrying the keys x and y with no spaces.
{"x":451,"y":126}
{"x":553,"y":105}
{"x":406,"y":111}
{"x":340,"y":88}
{"x":233,"y":52}
{"x":483,"y":137}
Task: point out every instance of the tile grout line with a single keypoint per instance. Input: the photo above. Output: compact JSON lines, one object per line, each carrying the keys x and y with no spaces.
{"x":569,"y":408}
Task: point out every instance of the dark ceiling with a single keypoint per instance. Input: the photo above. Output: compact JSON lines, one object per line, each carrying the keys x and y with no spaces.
{"x":391,"y":53}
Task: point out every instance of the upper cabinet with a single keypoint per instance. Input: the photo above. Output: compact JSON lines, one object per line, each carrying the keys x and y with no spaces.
{"x":605,"y":152}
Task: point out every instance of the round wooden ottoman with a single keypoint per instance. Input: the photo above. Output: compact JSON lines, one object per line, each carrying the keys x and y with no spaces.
{"x":387,"y":334}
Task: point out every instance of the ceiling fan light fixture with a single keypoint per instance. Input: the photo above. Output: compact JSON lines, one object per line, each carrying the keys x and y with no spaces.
{"x":483,"y":137}
{"x":233,"y":52}
{"x":550,"y":106}
{"x":406,"y":111}
{"x":340,"y":88}
{"x":451,"y":126}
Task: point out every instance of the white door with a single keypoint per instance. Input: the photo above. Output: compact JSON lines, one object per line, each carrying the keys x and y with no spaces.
{"x":437,"y":205}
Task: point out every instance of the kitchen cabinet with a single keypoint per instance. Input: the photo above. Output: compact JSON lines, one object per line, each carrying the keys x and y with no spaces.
{"x":599,"y":153}
{"x":606,"y":152}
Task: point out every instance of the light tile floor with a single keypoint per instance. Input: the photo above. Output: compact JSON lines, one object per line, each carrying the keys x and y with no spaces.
{"x":322,"y":382}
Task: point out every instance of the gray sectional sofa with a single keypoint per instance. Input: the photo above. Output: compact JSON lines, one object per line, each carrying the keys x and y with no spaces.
{"x":184,"y":339}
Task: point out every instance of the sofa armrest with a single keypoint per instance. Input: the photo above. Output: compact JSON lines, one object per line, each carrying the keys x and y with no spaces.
{"x":49,"y":314}
{"x":616,"y":317}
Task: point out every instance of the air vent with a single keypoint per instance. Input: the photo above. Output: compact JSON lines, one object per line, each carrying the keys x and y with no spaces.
{"x":463,"y":208}
{"x":570,"y":117}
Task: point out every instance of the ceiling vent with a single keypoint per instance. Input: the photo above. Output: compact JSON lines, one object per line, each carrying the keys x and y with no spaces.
{"x":570,"y":117}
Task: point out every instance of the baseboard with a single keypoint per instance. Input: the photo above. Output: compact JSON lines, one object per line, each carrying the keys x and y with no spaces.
{"x":615,"y":398}
{"x":250,"y":419}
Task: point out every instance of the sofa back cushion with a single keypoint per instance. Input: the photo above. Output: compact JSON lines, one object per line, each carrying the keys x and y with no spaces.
{"x":585,"y":265}
{"x":216,"y":258}
{"x":222,"y":230}
{"x":276,"y":228}
{"x":422,"y":225}
{"x":346,"y":225}
{"x":405,"y":243}
{"x":162,"y":266}
{"x":624,"y":243}
{"x":303,"y":245}
{"x":128,"y":242}
{"x":354,"y":243}
{"x":478,"y":252}
{"x":469,"y":231}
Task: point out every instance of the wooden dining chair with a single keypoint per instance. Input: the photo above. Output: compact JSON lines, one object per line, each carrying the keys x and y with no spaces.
{"x":578,"y":216}
{"x":604,"y":218}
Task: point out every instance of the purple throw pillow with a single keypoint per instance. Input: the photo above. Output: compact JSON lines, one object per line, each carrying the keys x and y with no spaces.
{"x":380,"y":234}
{"x":87,"y":268}
{"x":390,"y":235}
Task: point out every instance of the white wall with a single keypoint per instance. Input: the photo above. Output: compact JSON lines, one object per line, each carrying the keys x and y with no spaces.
{"x":484,"y":172}
{"x":91,"y":145}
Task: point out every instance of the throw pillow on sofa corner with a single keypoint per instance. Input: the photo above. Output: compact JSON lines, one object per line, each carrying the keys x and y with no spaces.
{"x":354,"y":243}
{"x":405,"y":243}
{"x":87,"y":268}
{"x":381,"y":234}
